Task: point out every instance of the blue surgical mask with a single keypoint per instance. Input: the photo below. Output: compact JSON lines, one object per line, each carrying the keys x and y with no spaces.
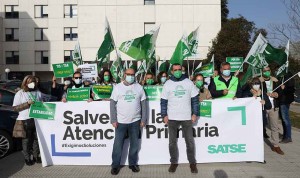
{"x":129,"y":79}
{"x":163,"y":79}
{"x":226,"y":73}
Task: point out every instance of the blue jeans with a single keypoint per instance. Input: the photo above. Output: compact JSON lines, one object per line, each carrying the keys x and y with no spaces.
{"x":121,"y":131}
{"x":287,"y":128}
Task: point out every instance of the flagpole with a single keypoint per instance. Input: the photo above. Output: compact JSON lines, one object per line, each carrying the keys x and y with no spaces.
{"x":188,"y":64}
{"x":298,"y":73}
{"x":193,"y":66}
{"x":262,"y":89}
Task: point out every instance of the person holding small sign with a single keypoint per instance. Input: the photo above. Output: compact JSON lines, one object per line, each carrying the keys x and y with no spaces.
{"x":102,"y":90}
{"x":22,"y":101}
{"x":128,"y":112}
{"x":77,"y":84}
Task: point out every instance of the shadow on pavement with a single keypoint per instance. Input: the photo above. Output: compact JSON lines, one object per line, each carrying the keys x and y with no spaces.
{"x":11,"y":164}
{"x":220,"y":174}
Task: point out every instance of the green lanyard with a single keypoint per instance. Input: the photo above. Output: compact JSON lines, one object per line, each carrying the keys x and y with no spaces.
{"x":32,"y":97}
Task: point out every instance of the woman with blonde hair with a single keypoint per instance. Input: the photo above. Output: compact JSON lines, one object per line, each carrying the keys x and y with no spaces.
{"x":22,"y":101}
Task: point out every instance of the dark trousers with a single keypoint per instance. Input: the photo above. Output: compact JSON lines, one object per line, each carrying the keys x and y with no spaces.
{"x":121,"y":131}
{"x":187,"y":131}
{"x":30,"y":143}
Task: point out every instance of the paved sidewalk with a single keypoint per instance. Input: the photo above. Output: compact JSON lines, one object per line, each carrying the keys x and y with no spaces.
{"x":287,"y":165}
{"x":276,"y":165}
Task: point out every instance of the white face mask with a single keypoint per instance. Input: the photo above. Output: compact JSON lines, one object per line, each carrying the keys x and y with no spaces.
{"x":256,"y":87}
{"x":78,"y":81}
{"x":67,"y":82}
{"x":31,"y":85}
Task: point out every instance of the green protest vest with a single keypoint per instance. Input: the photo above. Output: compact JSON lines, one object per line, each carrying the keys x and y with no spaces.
{"x":233,"y":85}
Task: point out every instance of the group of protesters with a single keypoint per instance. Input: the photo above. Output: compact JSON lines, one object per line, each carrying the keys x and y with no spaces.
{"x":129,"y":113}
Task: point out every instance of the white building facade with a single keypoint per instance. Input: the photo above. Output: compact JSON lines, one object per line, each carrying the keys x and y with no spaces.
{"x":38,"y":33}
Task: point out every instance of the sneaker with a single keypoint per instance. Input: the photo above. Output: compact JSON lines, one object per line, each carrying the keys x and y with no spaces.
{"x":173,"y":168}
{"x":286,"y":140}
{"x":277,"y":150}
{"x":134,"y":168}
{"x":194,"y":168}
{"x":115,"y":171}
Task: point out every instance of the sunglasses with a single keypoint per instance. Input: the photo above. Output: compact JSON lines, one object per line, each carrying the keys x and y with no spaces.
{"x":78,"y":77}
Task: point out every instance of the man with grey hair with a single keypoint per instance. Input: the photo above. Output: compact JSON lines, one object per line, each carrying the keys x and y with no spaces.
{"x":128,"y":112}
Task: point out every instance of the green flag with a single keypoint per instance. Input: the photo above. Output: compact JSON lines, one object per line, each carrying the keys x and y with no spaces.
{"x":163,"y":66}
{"x":116,"y":69}
{"x":142,"y":68}
{"x":193,"y":41}
{"x":250,"y":73}
{"x":283,"y":69}
{"x":206,"y":70}
{"x":197,"y":70}
{"x":275,"y":55}
{"x":76,"y":55}
{"x":181,"y":51}
{"x":142,"y":47}
{"x":107,"y":46}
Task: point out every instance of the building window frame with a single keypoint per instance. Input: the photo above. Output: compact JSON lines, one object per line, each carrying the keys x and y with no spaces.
{"x":149,"y":2}
{"x":12,"y":13}
{"x":69,"y":10}
{"x":43,"y":13}
{"x":13,"y":58}
{"x":69,"y":34}
{"x":68,"y":57}
{"x":13,"y":35}
{"x":41,"y":36}
{"x":41,"y":57}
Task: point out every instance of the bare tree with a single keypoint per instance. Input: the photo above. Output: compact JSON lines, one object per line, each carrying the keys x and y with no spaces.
{"x":291,"y":29}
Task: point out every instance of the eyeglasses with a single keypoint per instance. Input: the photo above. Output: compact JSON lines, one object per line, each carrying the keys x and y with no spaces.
{"x":256,"y":83}
{"x":78,"y":77}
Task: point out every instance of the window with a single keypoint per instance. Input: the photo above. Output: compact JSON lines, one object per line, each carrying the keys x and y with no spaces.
{"x":40,"y":34}
{"x":41,"y":57}
{"x":12,"y":57}
{"x":12,"y":34}
{"x":41,"y":11}
{"x":70,"y":11}
{"x":68,"y":55}
{"x":11,"y":12}
{"x":149,"y":2}
{"x":148,"y":26}
{"x":70,"y":34}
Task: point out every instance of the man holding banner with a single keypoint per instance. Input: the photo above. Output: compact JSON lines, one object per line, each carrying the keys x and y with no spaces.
{"x":180,"y":107}
{"x":225,"y":85}
{"x":128,"y":112}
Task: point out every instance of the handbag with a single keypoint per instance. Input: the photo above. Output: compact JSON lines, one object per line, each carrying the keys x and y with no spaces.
{"x":19,"y":131}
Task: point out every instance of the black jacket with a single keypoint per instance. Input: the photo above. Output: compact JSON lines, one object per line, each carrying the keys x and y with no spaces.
{"x":287,"y":96}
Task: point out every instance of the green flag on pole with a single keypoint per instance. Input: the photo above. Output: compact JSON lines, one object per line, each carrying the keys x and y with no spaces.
{"x":283,"y":69}
{"x":206,"y":70}
{"x":107,"y":46}
{"x":163,"y":66}
{"x":141,"y":48}
{"x":193,"y":41}
{"x":76,"y":55}
{"x":116,"y":69}
{"x":182,"y":51}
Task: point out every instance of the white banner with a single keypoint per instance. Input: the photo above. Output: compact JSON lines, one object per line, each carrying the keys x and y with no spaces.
{"x":81,"y":134}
